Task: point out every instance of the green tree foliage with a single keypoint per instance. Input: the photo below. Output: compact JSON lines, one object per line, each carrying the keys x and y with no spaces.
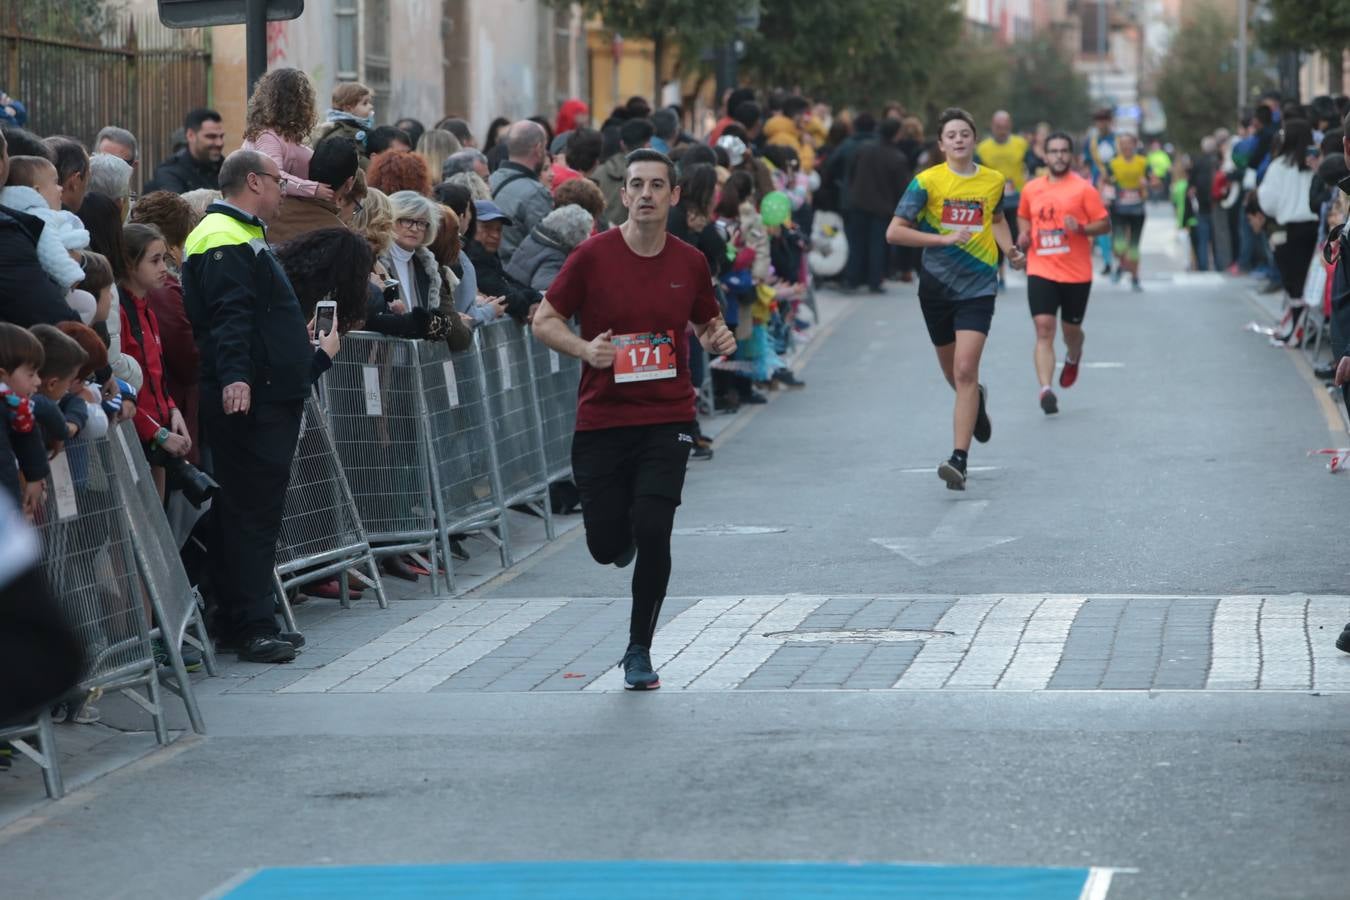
{"x":1322,"y":26}
{"x":1197,"y":82}
{"x":694,"y":26}
{"x":1044,"y":87}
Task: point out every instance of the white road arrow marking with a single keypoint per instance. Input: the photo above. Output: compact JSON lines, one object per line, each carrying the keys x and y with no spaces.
{"x":949,"y":540}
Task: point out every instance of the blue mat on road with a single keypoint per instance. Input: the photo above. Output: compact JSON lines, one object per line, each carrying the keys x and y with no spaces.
{"x":660,"y":880}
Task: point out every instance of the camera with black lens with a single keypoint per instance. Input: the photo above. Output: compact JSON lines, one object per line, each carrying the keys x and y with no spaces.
{"x":196,"y":485}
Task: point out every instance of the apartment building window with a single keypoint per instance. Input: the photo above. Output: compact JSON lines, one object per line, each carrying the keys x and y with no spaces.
{"x":348,"y":40}
{"x":376,"y":23}
{"x":1090,"y":12}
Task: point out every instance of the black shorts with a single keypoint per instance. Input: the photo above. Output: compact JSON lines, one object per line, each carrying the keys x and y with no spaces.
{"x":1067,"y":299}
{"x":945,"y":318}
{"x":614,"y":466}
{"x":1127,"y":229}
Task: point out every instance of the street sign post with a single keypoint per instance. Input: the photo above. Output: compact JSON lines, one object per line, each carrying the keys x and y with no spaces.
{"x":253,"y":14}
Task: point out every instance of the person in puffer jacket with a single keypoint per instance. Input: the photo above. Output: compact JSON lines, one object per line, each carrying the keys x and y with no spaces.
{"x":541,"y":255}
{"x":33,"y":189}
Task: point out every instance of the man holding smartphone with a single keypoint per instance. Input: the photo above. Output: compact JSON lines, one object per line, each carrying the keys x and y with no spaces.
{"x":634,"y":290}
{"x":257,"y":368}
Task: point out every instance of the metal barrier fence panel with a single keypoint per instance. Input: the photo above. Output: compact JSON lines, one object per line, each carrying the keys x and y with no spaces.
{"x":173,"y":598}
{"x":375,"y":411}
{"x":556,"y":377}
{"x":514,"y":409}
{"x":321,"y":532}
{"x":91,"y":565}
{"x":460,"y":436}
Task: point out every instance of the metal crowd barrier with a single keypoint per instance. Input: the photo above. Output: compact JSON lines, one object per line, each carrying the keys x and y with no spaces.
{"x":556,"y":377}
{"x":376,"y":407}
{"x":436,"y":444}
{"x":110,"y":570}
{"x":321,"y":532}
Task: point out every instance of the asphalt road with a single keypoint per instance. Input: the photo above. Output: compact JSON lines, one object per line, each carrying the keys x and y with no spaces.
{"x":1175,"y":467}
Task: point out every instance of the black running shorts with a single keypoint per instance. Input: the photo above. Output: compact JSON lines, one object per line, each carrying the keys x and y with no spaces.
{"x":945,"y":318}
{"x":614,"y":466}
{"x":1068,"y":300}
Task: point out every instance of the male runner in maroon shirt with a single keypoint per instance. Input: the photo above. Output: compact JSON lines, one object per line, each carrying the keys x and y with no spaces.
{"x":633,"y":290}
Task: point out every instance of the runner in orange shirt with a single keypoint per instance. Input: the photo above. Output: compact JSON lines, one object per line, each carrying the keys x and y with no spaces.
{"x":1058,"y":214}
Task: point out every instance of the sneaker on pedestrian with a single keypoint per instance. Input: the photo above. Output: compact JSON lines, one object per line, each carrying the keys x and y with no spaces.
{"x":1049,"y":404}
{"x":192,"y":657}
{"x":1069,"y":374}
{"x":1136,"y":286}
{"x":953,"y":471}
{"x":1343,"y":642}
{"x":787,"y":378}
{"x":701,"y":453}
{"x":263,"y":649}
{"x":638,"y":674}
{"x":1116,"y":275}
{"x":984,"y":429}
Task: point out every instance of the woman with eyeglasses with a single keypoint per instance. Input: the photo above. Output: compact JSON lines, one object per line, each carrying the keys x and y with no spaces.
{"x":416,"y":223}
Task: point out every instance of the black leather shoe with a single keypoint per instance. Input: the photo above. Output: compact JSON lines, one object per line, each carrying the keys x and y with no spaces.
{"x":294,"y":638}
{"x":266,"y":650}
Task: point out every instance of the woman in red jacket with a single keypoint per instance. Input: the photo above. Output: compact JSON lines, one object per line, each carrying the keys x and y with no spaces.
{"x":158,"y":422}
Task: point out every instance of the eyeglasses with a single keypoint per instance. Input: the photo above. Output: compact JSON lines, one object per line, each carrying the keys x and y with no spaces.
{"x":281,"y":181}
{"x":413,"y":224}
{"x":357,"y":207}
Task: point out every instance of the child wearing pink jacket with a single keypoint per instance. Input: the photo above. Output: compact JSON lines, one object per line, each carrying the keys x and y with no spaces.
{"x":281,"y":114}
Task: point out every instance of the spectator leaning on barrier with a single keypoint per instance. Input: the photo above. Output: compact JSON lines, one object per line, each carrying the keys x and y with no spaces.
{"x":175,"y":219}
{"x":485,"y":250}
{"x":21,"y":447}
{"x":1283,"y":196}
{"x":257,"y":370}
{"x":335,"y":165}
{"x":541,"y":255}
{"x":468,"y":301}
{"x":516,"y":187}
{"x":198,"y":164}
{"x":416,"y":223}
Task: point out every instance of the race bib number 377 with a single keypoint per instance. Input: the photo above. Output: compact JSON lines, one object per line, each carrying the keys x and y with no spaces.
{"x":963,"y":215}
{"x":644,"y":357}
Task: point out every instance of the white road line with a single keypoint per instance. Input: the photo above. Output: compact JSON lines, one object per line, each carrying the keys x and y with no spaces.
{"x":754,"y":648}
{"x":1098,"y":884}
{"x":1235,"y":645}
{"x":991,"y":650}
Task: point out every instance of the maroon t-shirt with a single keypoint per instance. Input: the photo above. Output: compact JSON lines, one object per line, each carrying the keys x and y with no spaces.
{"x":608,"y":286}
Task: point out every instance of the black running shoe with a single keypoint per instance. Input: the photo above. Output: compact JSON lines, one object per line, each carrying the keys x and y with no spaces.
{"x":1049,"y":405}
{"x":1343,"y":642}
{"x":638,"y":674}
{"x":983,"y":428}
{"x":266,"y":650}
{"x":954,"y":474}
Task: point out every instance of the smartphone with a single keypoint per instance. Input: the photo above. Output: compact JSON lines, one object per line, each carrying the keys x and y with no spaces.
{"x":391,"y":290}
{"x":325,"y":317}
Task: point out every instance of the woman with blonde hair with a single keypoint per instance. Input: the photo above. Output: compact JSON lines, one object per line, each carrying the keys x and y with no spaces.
{"x":281,"y":114}
{"x":436,"y":146}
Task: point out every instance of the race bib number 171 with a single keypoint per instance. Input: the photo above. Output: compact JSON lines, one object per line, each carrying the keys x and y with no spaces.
{"x":644,"y":357}
{"x":963,"y":215}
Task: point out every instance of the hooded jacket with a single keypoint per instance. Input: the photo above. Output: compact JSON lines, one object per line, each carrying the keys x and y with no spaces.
{"x":63,"y":232}
{"x":27,"y":296}
{"x":541,"y":255}
{"x":783,"y":131}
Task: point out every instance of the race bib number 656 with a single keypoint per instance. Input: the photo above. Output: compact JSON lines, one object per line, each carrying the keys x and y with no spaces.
{"x":963,"y":215}
{"x":644,"y":357}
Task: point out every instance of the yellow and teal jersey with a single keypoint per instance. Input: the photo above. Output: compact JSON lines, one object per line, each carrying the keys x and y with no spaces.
{"x":940,"y":201}
{"x":1130,"y":178}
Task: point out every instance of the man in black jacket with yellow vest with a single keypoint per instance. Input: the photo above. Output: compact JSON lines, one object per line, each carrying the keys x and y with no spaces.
{"x":257,"y":369}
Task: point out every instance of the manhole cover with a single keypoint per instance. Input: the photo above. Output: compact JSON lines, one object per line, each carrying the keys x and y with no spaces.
{"x":862,"y":635}
{"x":730,"y":529}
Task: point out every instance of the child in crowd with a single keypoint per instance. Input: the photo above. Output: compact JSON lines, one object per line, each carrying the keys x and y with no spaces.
{"x":21,"y":444}
{"x":85,"y":388}
{"x":281,"y":115}
{"x":352,"y":115}
{"x":60,"y":411}
{"x":33,"y":188}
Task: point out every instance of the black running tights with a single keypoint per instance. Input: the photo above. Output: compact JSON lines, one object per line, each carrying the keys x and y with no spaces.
{"x":649,"y":524}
